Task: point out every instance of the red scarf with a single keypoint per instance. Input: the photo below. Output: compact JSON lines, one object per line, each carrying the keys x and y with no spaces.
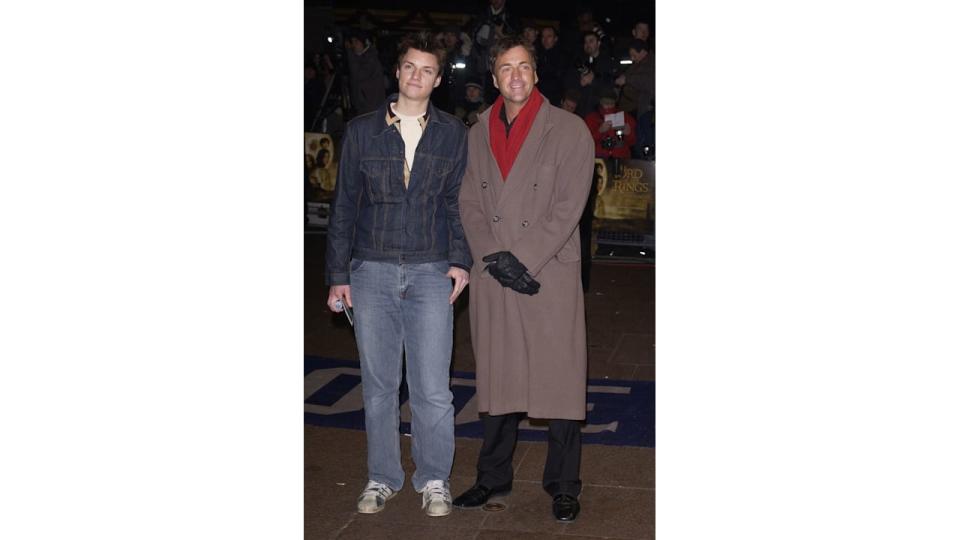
{"x":505,"y":149}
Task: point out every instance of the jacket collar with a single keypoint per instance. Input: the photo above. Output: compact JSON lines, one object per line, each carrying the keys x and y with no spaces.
{"x":433,"y":115}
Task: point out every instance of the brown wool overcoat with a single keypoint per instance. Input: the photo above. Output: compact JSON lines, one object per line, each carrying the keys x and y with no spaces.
{"x":531,"y":351}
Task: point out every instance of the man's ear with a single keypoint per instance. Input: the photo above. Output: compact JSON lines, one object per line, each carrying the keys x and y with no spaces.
{"x":495,"y":83}
{"x":436,"y":83}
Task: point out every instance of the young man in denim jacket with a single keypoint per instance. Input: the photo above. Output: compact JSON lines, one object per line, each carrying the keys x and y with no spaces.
{"x":397,"y":255}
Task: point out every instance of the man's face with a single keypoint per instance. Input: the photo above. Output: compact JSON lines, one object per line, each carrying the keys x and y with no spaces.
{"x":473,"y":94}
{"x":355,"y":45}
{"x":449,"y":39}
{"x":585,"y":21}
{"x":548,"y":38}
{"x":637,"y":56}
{"x":497,"y":4}
{"x":641,"y":31}
{"x":530,"y":35}
{"x":590,"y":44}
{"x":568,"y":105}
{"x":514,"y":75}
{"x":418,"y":75}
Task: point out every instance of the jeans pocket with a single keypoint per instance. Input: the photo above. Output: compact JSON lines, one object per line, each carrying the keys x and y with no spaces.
{"x":355,"y":264}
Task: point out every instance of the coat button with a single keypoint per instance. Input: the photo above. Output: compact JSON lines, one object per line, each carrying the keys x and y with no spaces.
{"x":525,"y":223}
{"x":496,"y":219}
{"x":535,"y":187}
{"x":483,"y":185}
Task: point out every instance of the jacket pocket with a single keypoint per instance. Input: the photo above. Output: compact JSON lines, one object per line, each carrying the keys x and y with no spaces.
{"x":439,"y":170}
{"x":383,"y":178}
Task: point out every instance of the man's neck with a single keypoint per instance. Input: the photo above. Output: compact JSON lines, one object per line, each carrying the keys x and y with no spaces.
{"x":409,"y":107}
{"x":513,"y":109}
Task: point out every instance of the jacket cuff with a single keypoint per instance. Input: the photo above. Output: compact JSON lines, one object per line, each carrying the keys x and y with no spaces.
{"x":338,"y":278}
{"x":460,"y":265}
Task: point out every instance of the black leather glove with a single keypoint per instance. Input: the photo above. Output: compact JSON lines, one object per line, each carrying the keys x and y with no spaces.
{"x":504,"y":263}
{"x":510,"y":272}
{"x":525,"y":285}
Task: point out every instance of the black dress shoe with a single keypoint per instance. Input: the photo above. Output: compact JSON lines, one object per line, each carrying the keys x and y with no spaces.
{"x":478,"y":495}
{"x":565,"y":507}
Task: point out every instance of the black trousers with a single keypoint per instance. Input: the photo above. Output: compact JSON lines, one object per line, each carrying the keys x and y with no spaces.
{"x":561,"y":472}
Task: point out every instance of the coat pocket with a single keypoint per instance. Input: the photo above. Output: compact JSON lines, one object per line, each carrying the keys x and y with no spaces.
{"x":570,"y":252}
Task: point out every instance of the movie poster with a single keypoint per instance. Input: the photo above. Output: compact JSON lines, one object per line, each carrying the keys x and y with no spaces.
{"x":321,"y":166}
{"x":320,"y":169}
{"x":624,"y":192}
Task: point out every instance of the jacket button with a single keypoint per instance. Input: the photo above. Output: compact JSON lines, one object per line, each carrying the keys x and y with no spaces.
{"x":535,"y":187}
{"x":525,"y":223}
{"x":483,"y":185}
{"x":496,"y":219}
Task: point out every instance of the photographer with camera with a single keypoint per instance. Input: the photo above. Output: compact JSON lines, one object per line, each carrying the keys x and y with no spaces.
{"x":613,"y":130}
{"x":491,"y":24}
{"x":367,"y":81}
{"x":590,"y":72}
{"x":637,"y":83}
{"x":552,"y":64}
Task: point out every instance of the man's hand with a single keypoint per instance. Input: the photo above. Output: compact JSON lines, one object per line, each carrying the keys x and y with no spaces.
{"x":626,"y":129}
{"x":504,"y":264}
{"x":605,"y":126}
{"x":336,"y":293}
{"x":585,"y":80}
{"x":510,"y":272}
{"x":621,"y":80}
{"x":525,"y":285}
{"x":460,"y":280}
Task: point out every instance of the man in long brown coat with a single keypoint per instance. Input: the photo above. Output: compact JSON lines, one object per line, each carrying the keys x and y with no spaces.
{"x":529,"y":172}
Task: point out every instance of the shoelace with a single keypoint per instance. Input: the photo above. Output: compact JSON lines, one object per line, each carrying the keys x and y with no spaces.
{"x":382,"y":490}
{"x":437,"y":490}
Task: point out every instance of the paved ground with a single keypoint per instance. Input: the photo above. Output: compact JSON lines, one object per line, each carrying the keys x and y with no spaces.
{"x":619,"y":489}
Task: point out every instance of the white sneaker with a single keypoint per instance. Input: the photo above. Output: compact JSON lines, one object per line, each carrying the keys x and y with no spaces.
{"x":374,"y":497}
{"x":436,"y":498}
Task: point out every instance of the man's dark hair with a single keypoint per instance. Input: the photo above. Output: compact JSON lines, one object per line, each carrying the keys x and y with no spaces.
{"x":506,"y":43}
{"x":639,"y":45}
{"x":572,"y":94}
{"x":422,"y":41}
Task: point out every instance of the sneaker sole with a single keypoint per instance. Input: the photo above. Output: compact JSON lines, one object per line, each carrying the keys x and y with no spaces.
{"x":437,"y":514}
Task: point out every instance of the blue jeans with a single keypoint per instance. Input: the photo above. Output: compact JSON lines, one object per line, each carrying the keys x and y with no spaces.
{"x":405,"y":308}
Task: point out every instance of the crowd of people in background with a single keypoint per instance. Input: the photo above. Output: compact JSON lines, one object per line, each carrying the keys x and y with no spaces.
{"x":581,"y":67}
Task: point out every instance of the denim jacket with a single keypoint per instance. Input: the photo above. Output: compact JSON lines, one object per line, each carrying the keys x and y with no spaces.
{"x":373,"y":217}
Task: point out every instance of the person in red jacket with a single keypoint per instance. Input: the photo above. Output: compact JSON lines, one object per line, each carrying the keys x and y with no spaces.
{"x":613,"y":136}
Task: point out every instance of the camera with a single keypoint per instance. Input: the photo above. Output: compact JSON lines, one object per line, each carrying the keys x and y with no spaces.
{"x":612,"y":141}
